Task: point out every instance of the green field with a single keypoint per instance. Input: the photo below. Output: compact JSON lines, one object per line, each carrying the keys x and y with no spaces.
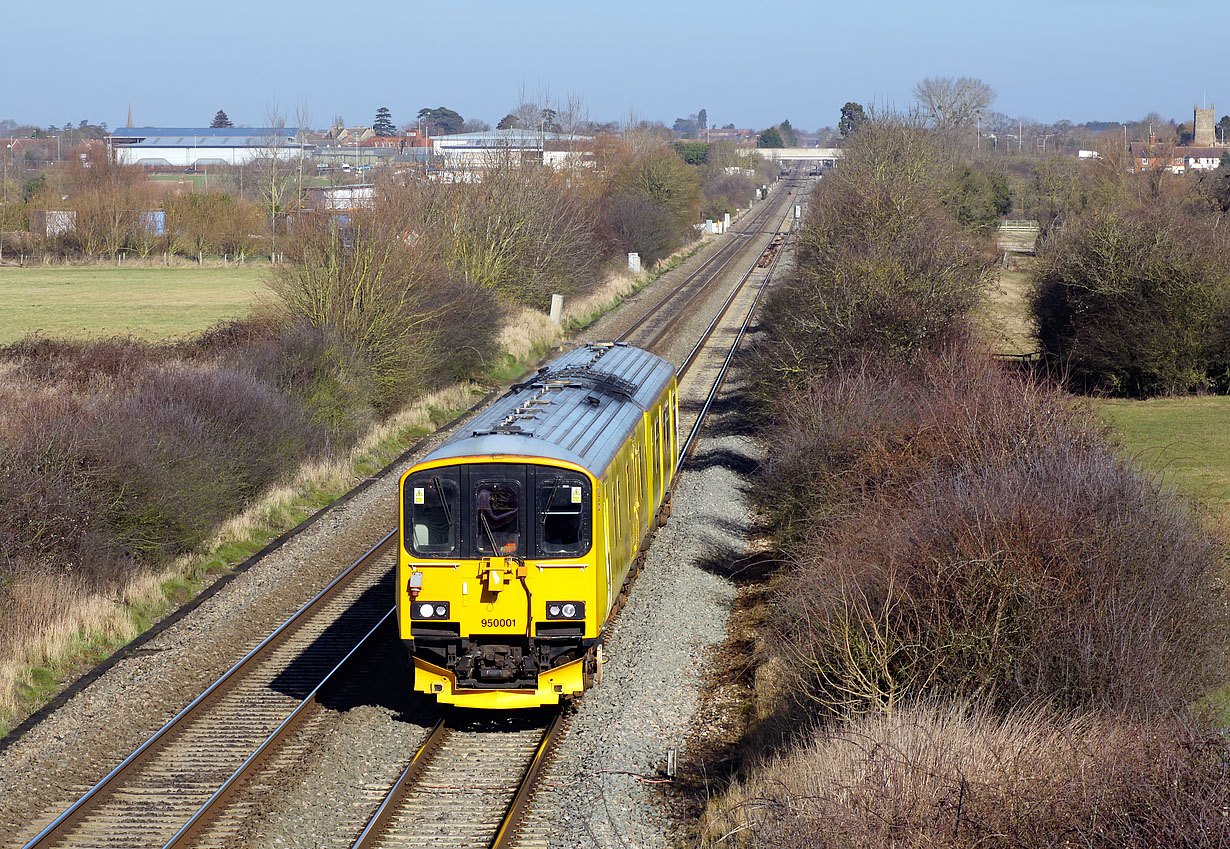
{"x":1185,"y":439}
{"x":102,"y":300}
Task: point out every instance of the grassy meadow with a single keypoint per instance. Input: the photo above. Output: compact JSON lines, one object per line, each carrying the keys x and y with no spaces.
{"x":148,"y":302}
{"x":1185,"y":439}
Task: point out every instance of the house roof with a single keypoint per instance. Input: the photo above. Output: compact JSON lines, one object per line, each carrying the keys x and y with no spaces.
{"x":1202,"y":152}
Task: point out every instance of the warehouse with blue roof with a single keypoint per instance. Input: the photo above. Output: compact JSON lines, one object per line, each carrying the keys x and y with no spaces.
{"x":170,"y":147}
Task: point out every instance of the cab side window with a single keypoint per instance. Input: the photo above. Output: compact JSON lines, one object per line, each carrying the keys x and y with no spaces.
{"x":563,"y":502}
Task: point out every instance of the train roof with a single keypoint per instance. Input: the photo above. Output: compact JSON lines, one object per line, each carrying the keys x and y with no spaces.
{"x":579,"y":408}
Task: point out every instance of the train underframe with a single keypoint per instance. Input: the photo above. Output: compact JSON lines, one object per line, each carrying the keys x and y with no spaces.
{"x":503,"y":671}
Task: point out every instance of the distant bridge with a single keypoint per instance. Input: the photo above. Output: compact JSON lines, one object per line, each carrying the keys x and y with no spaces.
{"x":823,"y":155}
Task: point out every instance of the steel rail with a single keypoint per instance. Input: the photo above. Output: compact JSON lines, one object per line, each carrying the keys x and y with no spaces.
{"x":388,"y":807}
{"x":517,"y":807}
{"x":513,"y":813}
{"x":695,"y":352}
{"x":75,"y":812}
{"x":193,"y":826}
{"x":686,"y":452}
{"x":732,"y":247}
{"x":704,"y":287}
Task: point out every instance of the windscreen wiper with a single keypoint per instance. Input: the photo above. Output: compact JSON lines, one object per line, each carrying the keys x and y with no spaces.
{"x":448,"y":514}
{"x":490,"y":535}
{"x":546,"y":508}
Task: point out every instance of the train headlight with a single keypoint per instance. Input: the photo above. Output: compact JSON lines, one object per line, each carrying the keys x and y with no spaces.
{"x":429,"y":610}
{"x":565,"y":610}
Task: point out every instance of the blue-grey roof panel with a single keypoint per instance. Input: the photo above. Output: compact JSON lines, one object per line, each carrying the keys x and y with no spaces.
{"x":222,"y":132}
{"x":579,"y":409}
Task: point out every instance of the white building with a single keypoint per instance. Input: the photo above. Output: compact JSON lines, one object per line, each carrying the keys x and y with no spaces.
{"x":178,"y":147}
{"x":466,"y":151}
{"x":1201,"y":158}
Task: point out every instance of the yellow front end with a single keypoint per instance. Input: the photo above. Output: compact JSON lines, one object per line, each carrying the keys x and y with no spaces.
{"x":503,"y":632}
{"x":488,"y":601}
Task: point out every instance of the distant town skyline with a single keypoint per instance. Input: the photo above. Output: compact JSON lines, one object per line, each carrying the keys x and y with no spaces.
{"x":1088,"y":60}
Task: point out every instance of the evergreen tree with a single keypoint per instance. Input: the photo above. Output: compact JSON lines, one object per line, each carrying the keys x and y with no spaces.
{"x":852,"y":117}
{"x":788,"y":134}
{"x":220,"y":121}
{"x":771,"y":137}
{"x":702,"y":120}
{"x":383,"y":125}
{"x":508,"y":122}
{"x":443,"y":121}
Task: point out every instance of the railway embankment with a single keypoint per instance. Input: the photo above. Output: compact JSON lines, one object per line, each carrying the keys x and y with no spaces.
{"x":977,"y":621}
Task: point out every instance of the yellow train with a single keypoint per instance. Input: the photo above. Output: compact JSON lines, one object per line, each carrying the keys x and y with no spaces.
{"x":519,"y":534}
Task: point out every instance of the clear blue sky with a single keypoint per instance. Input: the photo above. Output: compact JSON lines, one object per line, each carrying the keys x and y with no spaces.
{"x":752,"y":63}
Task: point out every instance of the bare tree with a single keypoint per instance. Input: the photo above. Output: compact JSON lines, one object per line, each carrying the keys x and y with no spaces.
{"x":274,"y":178}
{"x":953,"y":103}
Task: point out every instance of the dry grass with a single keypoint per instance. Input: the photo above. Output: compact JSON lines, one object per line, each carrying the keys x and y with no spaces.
{"x":1004,"y":315}
{"x":583,"y":310}
{"x":527,"y":334}
{"x":960,"y":777}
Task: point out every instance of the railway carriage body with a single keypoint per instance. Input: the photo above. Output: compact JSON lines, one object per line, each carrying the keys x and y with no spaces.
{"x":518,"y":534}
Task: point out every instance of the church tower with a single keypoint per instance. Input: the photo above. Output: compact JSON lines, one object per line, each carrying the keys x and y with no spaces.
{"x":1203,"y":130}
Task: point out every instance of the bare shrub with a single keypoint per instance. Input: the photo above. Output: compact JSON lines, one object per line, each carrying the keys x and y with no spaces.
{"x":95,"y":480}
{"x":883,"y":266}
{"x":388,"y":302}
{"x":956,"y":530}
{"x":520,"y":232}
{"x":959,"y":777}
{"x":1132,"y":298}
{"x":651,"y":200}
{"x":188,"y":445}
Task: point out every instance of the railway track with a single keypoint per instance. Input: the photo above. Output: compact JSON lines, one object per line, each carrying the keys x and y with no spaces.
{"x":654,"y":326}
{"x":471,"y":781}
{"x":161,"y":793}
{"x":468,"y":784}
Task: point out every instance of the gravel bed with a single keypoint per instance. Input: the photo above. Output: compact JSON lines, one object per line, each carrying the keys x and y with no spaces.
{"x":603,"y":787}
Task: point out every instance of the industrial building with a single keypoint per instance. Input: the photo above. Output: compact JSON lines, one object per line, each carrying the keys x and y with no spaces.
{"x":180,"y":147}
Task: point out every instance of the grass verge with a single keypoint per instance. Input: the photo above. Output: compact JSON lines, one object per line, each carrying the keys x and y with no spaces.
{"x":617,"y":288}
